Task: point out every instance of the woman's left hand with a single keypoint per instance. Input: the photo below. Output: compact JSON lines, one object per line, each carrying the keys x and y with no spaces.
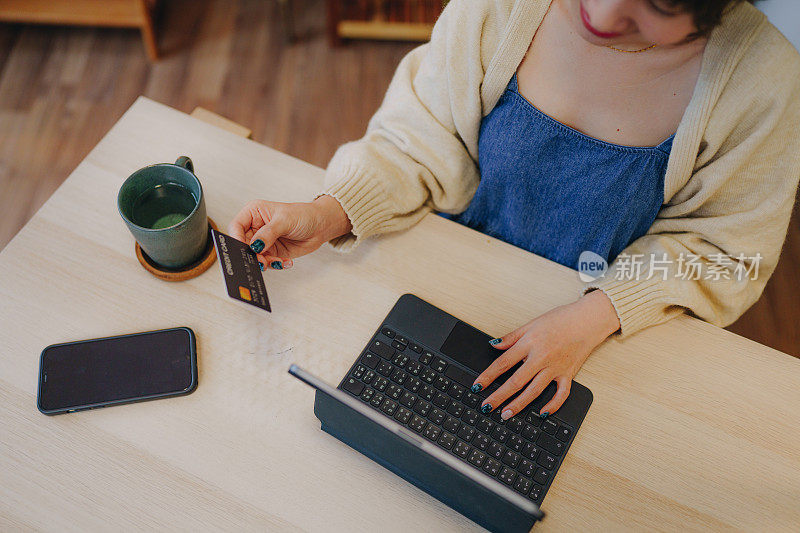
{"x":553,"y":347}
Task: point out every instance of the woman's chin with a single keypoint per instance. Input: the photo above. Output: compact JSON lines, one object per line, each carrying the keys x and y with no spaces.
{"x":617,"y":42}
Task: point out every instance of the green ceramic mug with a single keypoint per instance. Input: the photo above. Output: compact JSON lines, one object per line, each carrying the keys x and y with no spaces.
{"x":164,"y":207}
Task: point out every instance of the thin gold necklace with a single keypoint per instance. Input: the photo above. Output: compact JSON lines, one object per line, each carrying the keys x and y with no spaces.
{"x":632,"y":51}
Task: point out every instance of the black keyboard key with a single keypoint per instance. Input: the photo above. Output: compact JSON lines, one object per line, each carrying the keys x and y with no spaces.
{"x":523,"y":485}
{"x":353,"y":386}
{"x":542,"y":476}
{"x":447,"y":440}
{"x":441,"y":383}
{"x":389,"y":406}
{"x":456,"y":390}
{"x":397,"y":346}
{"x":564,"y":433}
{"x":367,"y":394}
{"x":422,"y":407}
{"x":530,"y":451}
{"x":403,"y":415}
{"x":516,"y":443}
{"x":531,"y":433}
{"x":485,"y":425}
{"x":414,"y":368}
{"x":460,"y":376}
{"x":436,"y":416}
{"x":432,"y":432}
{"x":370,"y":360}
{"x":536,"y":492}
{"x":415,"y":347}
{"x":388,"y":332}
{"x":527,"y":468}
{"x":511,"y":458}
{"x":470,"y":417}
{"x":496,"y":450}
{"x":394,"y":391}
{"x":417,"y":423}
{"x":380,"y":384}
{"x":477,"y":458}
{"x":552,"y":445}
{"x":385,"y":368}
{"x":401,"y":339}
{"x":441,"y":400}
{"x":456,"y":409}
{"x":533,"y":419}
{"x":515,"y":424}
{"x":382,"y":349}
{"x":427,"y":392}
{"x":439,"y":364}
{"x":400,"y":360}
{"x":369,"y":375}
{"x":377,"y":400}
{"x":426,"y":358}
{"x":451,"y":424}
{"x":507,"y":476}
{"x":408,"y":399}
{"x":466,"y":433}
{"x":550,"y":426}
{"x":398,"y":376}
{"x":428,"y":375}
{"x":461,"y":449}
{"x":470,"y":400}
{"x":491,"y":467}
{"x":413,"y":384}
{"x":500,"y":434}
{"x":497,"y":416}
{"x":358,"y":373}
{"x":481,"y":442}
{"x":546,"y":460}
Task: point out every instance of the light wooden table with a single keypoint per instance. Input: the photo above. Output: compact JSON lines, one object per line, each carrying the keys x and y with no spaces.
{"x":692,"y":427}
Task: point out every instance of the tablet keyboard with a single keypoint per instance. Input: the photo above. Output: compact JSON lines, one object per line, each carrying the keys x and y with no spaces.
{"x":429,"y":393}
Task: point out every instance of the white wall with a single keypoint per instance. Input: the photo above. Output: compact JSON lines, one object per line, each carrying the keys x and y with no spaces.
{"x":785,"y":15}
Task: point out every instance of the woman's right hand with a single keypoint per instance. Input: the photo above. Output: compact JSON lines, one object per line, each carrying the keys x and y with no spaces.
{"x":278,"y":232}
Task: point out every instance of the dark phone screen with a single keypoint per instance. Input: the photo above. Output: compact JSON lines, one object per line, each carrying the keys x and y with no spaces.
{"x":116,"y":368}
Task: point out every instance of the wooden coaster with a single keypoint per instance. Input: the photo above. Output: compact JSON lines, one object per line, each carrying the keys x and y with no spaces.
{"x":187,"y":272}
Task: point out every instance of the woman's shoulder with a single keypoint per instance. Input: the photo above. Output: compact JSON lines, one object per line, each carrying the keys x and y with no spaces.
{"x":757,"y":72}
{"x":485,"y":19}
{"x":769,"y":62}
{"x":478,"y":26}
{"x":774,"y":53}
{"x":481,"y":9}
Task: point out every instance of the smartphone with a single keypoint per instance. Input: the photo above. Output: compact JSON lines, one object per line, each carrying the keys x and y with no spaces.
{"x":75,"y":376}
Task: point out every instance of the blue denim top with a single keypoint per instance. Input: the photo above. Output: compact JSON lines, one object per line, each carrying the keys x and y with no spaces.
{"x":555,"y":191}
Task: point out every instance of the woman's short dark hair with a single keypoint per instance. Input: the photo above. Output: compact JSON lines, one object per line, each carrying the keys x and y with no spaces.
{"x":706,"y":13}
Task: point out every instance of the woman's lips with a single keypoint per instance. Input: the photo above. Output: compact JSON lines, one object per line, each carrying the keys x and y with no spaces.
{"x":585,"y":19}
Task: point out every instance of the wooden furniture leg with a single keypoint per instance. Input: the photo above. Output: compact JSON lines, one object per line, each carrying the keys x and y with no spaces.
{"x":287,"y":17}
{"x":333,"y":23}
{"x":147,"y":29}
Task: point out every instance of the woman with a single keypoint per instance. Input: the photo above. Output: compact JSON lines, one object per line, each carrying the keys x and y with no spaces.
{"x":658,"y":129}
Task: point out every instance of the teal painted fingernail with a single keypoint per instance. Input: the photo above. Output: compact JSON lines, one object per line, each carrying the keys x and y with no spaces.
{"x":495,"y":341}
{"x":485,"y":408}
{"x":544,"y":415}
{"x":257,"y":246}
{"x":476,"y":388}
{"x":261,"y":266}
{"x":276,"y":265}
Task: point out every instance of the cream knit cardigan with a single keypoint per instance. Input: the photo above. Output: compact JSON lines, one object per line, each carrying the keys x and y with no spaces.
{"x":730,"y":181}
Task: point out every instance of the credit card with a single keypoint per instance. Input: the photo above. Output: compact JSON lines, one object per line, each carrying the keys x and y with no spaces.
{"x":243,"y":277}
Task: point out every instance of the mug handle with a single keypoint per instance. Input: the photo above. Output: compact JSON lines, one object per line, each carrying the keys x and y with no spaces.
{"x":185,"y":162}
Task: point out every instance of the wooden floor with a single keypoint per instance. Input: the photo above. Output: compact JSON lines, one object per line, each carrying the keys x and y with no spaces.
{"x":61,"y":89}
